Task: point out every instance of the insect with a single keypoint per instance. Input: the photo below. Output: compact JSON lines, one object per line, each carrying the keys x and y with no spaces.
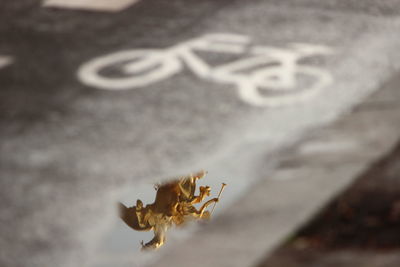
{"x":173,"y":205}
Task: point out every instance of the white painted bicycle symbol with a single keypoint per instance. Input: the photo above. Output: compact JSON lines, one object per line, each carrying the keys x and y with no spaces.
{"x":267,"y":76}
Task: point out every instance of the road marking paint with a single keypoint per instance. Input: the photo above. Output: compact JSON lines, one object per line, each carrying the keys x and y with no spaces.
{"x":94,"y":5}
{"x":264,"y":76}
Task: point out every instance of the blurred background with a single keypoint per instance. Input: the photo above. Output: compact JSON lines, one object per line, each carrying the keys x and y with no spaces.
{"x":292,"y":103}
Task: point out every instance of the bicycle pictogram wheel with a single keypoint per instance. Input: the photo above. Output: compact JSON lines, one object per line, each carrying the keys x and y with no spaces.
{"x":135,"y":68}
{"x":254,"y":90}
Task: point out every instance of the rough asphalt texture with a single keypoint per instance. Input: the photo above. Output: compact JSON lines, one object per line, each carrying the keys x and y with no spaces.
{"x":303,"y":179}
{"x":67,"y":149}
{"x":358,"y":228}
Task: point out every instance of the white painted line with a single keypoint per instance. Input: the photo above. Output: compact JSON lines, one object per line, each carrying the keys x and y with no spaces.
{"x":95,"y":5}
{"x":4,"y":61}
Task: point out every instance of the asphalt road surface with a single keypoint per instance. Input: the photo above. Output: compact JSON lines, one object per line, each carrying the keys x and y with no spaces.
{"x":358,"y":228}
{"x":198,"y":83}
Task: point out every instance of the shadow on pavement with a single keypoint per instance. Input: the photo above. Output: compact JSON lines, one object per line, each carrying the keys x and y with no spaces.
{"x":361,"y":227}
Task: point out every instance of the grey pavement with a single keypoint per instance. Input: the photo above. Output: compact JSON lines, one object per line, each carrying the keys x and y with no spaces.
{"x":69,"y":151}
{"x":306,"y":176}
{"x":358,"y":227}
